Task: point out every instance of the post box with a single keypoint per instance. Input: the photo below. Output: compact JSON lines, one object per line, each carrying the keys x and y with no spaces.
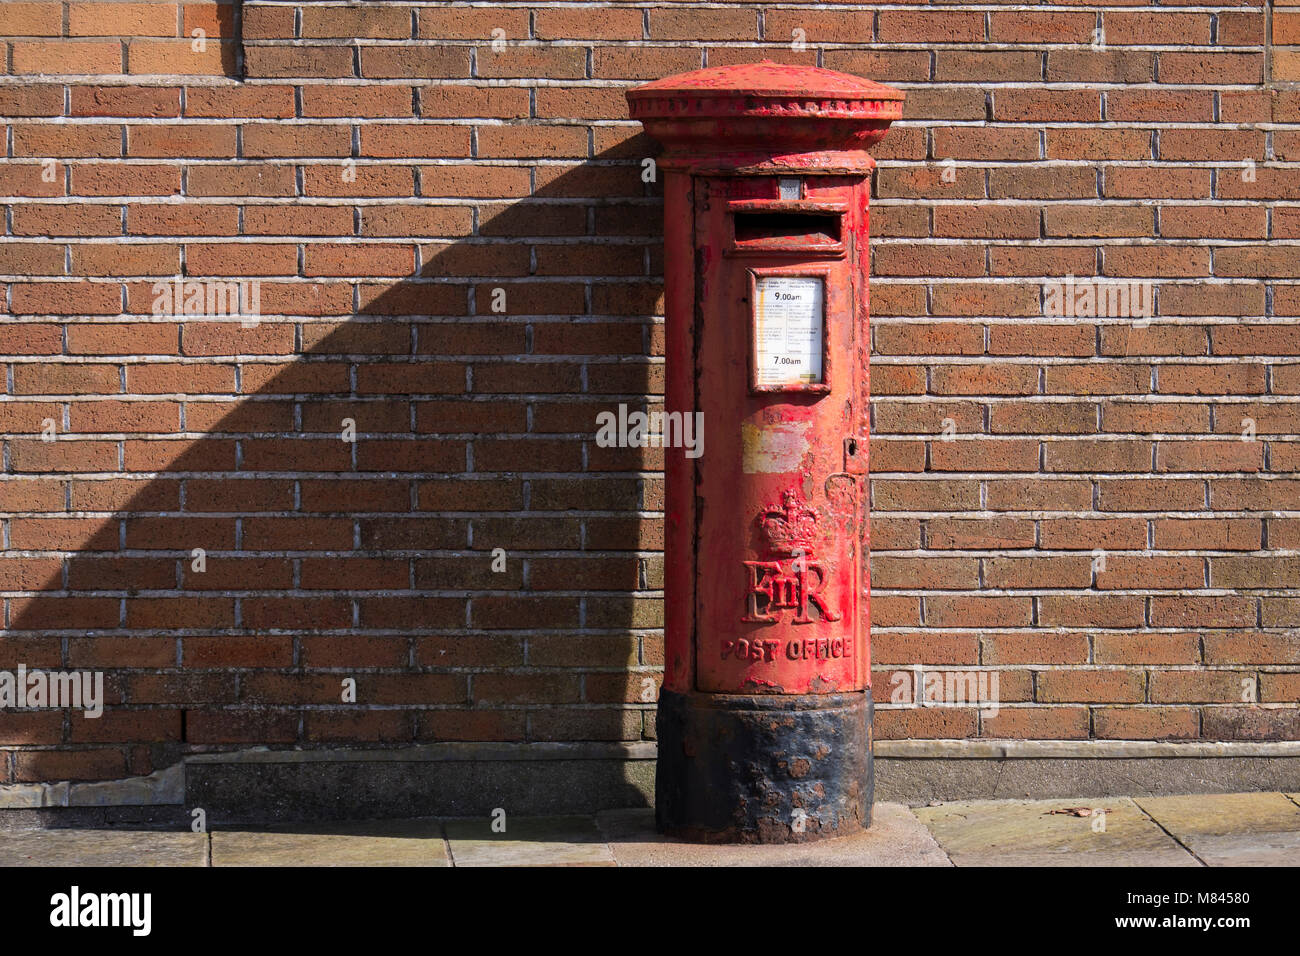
{"x":764,"y":717}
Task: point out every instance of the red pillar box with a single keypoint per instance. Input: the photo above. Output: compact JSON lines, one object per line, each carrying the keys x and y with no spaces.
{"x":764,"y":720}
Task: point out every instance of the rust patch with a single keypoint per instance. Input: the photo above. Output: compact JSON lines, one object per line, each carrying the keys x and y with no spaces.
{"x":820,"y":685}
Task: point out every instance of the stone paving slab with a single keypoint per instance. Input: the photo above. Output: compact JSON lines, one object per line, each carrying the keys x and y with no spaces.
{"x":1250,"y":829}
{"x":376,"y":843}
{"x":896,"y":838}
{"x":1232,"y":829}
{"x":103,"y":848}
{"x":1027,"y":833}
{"x":528,"y":841}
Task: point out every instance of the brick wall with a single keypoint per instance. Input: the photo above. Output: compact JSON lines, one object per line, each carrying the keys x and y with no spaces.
{"x":1103,"y":510}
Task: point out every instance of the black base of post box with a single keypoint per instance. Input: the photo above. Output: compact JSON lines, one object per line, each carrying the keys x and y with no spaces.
{"x":763,"y":769}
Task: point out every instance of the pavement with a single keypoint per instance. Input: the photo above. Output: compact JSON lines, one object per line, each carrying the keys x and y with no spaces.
{"x":1238,"y":829}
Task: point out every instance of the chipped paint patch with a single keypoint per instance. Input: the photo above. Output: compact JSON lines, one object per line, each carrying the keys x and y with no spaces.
{"x":773,"y":448}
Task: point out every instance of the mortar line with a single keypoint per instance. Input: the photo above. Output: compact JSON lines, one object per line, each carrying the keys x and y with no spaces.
{"x":1168,"y":833}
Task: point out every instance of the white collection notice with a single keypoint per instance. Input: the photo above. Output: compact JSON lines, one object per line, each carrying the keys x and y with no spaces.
{"x":788,"y":331}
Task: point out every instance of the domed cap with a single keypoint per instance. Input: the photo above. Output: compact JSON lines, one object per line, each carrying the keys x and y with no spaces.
{"x":765,"y":105}
{"x":769,"y":81}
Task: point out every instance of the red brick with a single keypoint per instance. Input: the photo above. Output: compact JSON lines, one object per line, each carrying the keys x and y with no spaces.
{"x":20,"y":19}
{"x":66,"y":57}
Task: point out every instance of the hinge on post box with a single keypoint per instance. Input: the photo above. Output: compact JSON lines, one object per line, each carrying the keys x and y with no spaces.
{"x":855,"y":455}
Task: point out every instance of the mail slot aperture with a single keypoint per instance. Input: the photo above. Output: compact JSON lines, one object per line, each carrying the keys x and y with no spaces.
{"x":786,"y":229}
{"x":794,"y":226}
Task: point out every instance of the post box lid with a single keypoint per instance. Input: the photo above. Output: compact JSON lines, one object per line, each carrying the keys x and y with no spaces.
{"x":767,"y":79}
{"x":732,"y":116}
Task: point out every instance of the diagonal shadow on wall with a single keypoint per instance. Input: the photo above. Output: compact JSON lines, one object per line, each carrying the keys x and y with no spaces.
{"x":371,"y":560}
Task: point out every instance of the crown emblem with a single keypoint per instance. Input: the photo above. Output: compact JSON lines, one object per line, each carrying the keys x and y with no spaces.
{"x":789,"y":526}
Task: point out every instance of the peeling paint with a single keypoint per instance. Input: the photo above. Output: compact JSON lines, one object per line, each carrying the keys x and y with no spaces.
{"x":775,"y":448}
